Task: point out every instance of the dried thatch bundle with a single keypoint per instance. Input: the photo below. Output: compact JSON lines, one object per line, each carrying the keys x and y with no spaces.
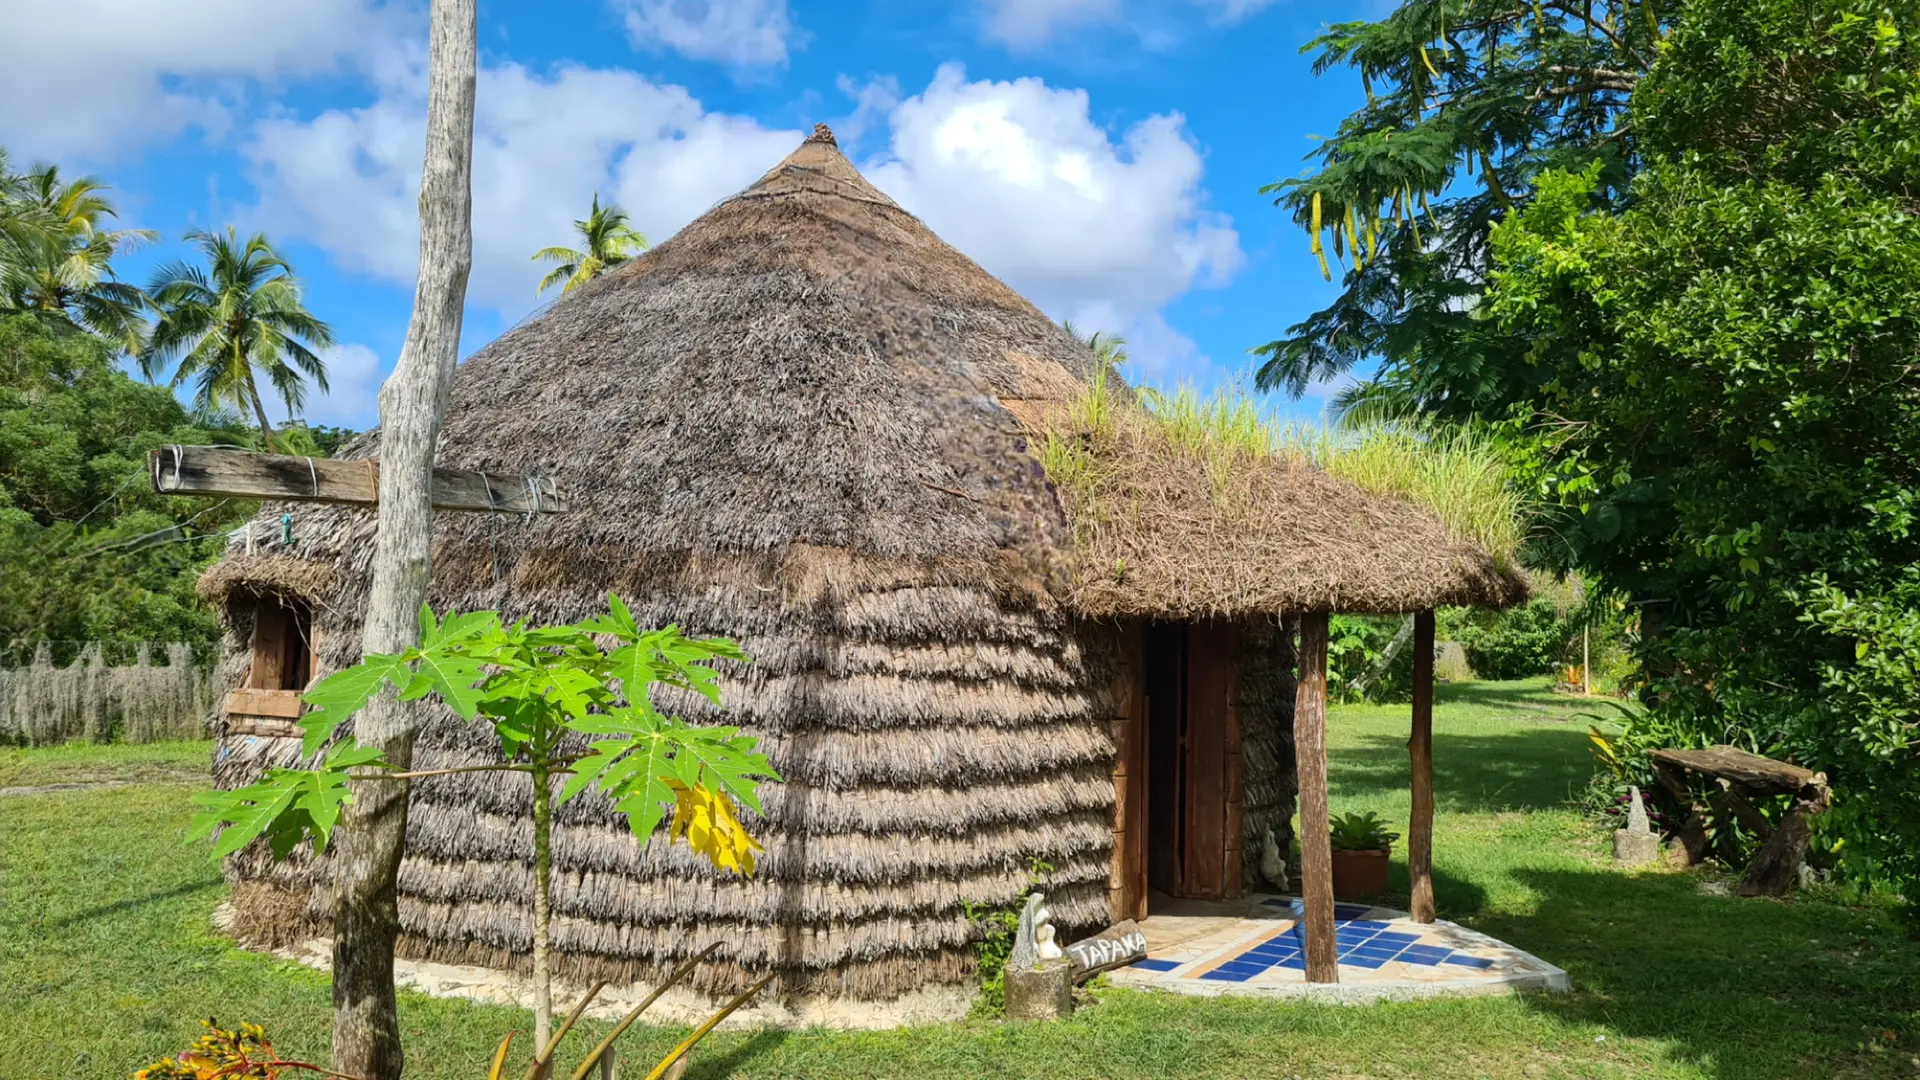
{"x":42,"y":703}
{"x":797,"y":423}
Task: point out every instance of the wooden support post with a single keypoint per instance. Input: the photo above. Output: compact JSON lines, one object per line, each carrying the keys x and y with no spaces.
{"x":1420,"y":750}
{"x":243,"y":474}
{"x":1310,"y":767}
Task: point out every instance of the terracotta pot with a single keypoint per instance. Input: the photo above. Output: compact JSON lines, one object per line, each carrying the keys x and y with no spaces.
{"x":1359,"y":875}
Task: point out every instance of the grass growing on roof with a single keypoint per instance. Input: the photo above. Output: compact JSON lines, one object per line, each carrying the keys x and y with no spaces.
{"x":1456,"y":475}
{"x":109,"y":959}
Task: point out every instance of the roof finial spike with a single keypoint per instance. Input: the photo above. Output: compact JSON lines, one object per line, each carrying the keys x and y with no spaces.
{"x":822,"y":133}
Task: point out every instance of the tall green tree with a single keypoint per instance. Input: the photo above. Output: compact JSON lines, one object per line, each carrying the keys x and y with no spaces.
{"x":1727,"y":401}
{"x":87,"y":551}
{"x":1467,"y":102}
{"x":58,"y":262}
{"x":606,"y":241}
{"x":224,"y":325}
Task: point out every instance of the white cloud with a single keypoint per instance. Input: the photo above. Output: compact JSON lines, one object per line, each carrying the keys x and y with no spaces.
{"x":354,"y":375}
{"x":347,"y":180}
{"x":1233,"y":11}
{"x":741,"y":33}
{"x":1026,"y":24}
{"x":95,"y":77}
{"x":1106,"y":232}
{"x":873,"y":101}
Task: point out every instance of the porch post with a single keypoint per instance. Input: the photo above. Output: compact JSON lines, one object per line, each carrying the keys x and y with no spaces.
{"x":1310,"y":767}
{"x":1420,"y":749}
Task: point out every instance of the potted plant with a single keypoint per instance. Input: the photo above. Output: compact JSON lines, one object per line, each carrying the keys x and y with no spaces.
{"x":1361,"y":844}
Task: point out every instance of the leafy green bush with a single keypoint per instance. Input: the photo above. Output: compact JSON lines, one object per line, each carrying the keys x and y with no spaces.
{"x":1515,"y":644}
{"x":1355,"y":645}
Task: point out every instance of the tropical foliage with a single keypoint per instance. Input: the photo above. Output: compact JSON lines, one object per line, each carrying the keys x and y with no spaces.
{"x":537,"y":686}
{"x":1726,"y":409}
{"x":224,"y":326}
{"x":1361,"y":832}
{"x":1109,"y":349}
{"x":87,"y":551}
{"x":1467,"y":102}
{"x":56,"y":255}
{"x":606,"y":241}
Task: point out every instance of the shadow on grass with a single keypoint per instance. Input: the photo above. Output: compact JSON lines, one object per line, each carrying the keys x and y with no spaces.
{"x":1527,"y":696}
{"x":730,"y":1063}
{"x":1454,"y":897}
{"x":131,"y":903}
{"x":1750,"y":989}
{"x":1529,"y":768}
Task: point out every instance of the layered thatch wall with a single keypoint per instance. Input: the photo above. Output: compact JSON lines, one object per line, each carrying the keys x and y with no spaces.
{"x":919,"y":776}
{"x":1265,"y":688}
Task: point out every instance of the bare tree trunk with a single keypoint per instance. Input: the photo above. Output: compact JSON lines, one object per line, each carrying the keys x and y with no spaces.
{"x":366,"y":1026}
{"x":1310,"y":774}
{"x":542,"y":904}
{"x":260,"y":414}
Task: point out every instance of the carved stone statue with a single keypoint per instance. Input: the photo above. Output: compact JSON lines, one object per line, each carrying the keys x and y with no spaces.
{"x":1272,"y":866}
{"x":1637,"y":844}
{"x":1026,"y":948}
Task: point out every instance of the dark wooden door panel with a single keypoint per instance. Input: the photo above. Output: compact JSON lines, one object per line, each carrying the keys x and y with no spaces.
{"x":1209,"y":686}
{"x":1165,"y":709}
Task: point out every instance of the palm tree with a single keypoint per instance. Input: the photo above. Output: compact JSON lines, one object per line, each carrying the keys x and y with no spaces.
{"x":608,"y":241}
{"x":20,"y":226}
{"x":1110,"y":348}
{"x":225,"y":323}
{"x":59,"y":262}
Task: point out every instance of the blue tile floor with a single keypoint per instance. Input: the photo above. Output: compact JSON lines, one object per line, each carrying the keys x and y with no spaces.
{"x":1263,"y":949}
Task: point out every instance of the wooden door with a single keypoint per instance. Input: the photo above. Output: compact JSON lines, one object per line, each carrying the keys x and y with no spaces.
{"x":1192,"y":761}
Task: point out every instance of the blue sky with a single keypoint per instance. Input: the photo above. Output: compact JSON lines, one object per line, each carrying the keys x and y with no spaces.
{"x":1101,"y":156}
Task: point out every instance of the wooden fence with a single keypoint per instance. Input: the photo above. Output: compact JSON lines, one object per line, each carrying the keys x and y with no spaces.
{"x":42,"y":703}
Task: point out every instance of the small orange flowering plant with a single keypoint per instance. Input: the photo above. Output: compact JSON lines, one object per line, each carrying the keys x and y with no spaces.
{"x":543,"y":688}
{"x":241,"y":1053}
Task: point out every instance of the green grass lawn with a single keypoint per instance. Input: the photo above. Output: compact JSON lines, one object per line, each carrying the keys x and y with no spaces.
{"x":107,"y":956}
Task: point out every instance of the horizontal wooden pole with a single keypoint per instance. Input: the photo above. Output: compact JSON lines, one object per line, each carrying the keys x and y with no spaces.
{"x":209,"y":470}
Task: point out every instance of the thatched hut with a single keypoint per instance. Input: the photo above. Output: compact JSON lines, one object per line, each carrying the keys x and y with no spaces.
{"x":805,"y":422}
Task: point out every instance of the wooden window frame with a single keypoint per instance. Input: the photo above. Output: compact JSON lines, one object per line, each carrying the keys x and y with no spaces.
{"x":283,"y":648}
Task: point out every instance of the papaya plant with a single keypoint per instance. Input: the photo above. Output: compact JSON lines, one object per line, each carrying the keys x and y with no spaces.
{"x":543,"y":688}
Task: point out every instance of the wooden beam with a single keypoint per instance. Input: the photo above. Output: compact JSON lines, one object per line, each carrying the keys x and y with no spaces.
{"x":243,"y":474}
{"x":1420,"y":749}
{"x":1310,"y":769}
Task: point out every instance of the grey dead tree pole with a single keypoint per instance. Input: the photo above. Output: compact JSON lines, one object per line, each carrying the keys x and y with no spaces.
{"x":366,"y":921}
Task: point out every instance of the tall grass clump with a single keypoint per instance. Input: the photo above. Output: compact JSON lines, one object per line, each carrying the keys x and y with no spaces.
{"x":1455,"y":474}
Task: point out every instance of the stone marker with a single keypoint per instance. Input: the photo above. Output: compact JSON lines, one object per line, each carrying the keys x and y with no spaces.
{"x":1040,"y":993}
{"x":1637,"y":844}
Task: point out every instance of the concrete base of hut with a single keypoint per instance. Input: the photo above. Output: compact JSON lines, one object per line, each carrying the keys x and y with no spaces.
{"x":493,"y":986}
{"x":1251,"y":948}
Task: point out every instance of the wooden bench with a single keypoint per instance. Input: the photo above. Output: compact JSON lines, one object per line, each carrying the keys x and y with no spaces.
{"x":1741,"y":777}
